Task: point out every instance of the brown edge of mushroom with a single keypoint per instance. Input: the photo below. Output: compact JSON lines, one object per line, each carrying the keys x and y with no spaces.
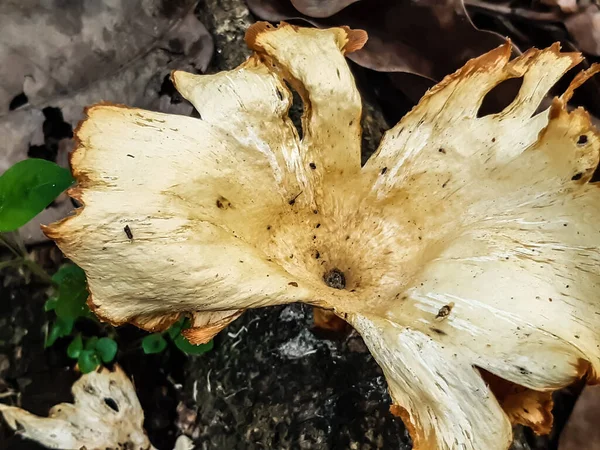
{"x":355,"y":41}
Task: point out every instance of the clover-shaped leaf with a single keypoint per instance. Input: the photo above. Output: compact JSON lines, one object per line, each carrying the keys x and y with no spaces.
{"x":72,"y":294}
{"x":154,"y":343}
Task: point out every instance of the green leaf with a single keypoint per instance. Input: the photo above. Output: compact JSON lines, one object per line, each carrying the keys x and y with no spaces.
{"x":72,"y":292}
{"x":154,"y":343}
{"x":27,"y":188}
{"x":52,"y":335}
{"x":50,"y":304}
{"x":175,"y":329}
{"x":88,"y":361}
{"x":106,"y":349}
{"x":90,"y":344}
{"x":75,"y":347}
{"x":191,"y":349}
{"x":61,"y":328}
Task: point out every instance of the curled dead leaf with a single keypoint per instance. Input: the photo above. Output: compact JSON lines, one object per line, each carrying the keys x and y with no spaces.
{"x":581,"y":431}
{"x":584,"y":28}
{"x":566,"y":6}
{"x":426,"y":38}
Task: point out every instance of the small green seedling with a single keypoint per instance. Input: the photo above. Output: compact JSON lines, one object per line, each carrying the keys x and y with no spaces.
{"x":25,"y":190}
{"x":156,"y":342}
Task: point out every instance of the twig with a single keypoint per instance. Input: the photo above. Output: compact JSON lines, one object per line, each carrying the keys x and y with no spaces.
{"x":18,"y":249}
{"x":6,"y":242}
{"x":9,"y":393}
{"x":520,"y":13}
{"x":12,"y":262}
{"x":36,"y":269}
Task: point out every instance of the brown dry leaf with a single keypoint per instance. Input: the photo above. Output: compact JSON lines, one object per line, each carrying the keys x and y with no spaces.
{"x":320,"y":8}
{"x":429,"y":38}
{"x":566,"y":6}
{"x":584,"y":28}
{"x":58,"y":57}
{"x":464,"y":242}
{"x":582,"y":431}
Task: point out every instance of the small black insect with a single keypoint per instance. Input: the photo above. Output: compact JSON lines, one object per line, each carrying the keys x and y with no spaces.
{"x":128,"y":232}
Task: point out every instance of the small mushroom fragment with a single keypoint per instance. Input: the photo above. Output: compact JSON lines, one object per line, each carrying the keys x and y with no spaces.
{"x":106,"y":414}
{"x":445,"y":262}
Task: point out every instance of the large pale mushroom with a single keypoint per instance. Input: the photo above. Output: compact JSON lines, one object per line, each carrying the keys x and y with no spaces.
{"x":465,"y":245}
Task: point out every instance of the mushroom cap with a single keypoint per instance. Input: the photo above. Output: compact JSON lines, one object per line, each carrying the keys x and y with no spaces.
{"x":465,"y":245}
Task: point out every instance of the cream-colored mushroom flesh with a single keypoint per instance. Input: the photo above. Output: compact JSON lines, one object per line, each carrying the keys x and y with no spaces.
{"x":106,"y":414}
{"x":465,"y":245}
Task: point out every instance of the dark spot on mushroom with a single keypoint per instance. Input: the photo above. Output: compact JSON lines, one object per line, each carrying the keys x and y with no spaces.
{"x":577,"y":176}
{"x":582,"y":140}
{"x":128,"y":232}
{"x":318,"y":225}
{"x":315,"y":211}
{"x":279,"y":94}
{"x":438,"y":331}
{"x":317,"y":255}
{"x":338,"y":72}
{"x":131,"y":156}
{"x":293,"y":201}
{"x":444,"y":311}
{"x":293,"y":283}
{"x":493,"y":139}
{"x":223,"y":203}
{"x":111,"y":404}
{"x":351,"y":123}
{"x":442,"y":150}
{"x":335,"y":279}
{"x":314,"y":236}
{"x":523,"y":371}
{"x":312,"y":165}
{"x":268,"y":227}
{"x":383,"y":171}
